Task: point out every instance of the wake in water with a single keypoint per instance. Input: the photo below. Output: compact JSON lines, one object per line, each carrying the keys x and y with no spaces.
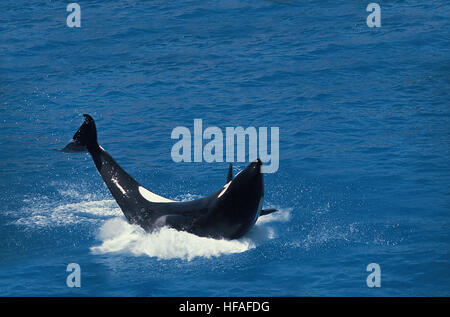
{"x":116,"y":235}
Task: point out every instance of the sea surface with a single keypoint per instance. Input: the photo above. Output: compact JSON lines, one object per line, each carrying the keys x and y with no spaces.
{"x":364,"y":145}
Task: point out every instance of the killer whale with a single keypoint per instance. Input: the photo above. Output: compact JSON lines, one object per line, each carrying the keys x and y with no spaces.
{"x":228,"y":213}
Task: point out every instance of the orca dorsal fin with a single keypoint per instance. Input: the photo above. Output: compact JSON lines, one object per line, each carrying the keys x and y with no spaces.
{"x":230,"y":173}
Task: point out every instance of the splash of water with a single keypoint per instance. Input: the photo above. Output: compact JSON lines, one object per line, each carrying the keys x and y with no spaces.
{"x":118,"y":236}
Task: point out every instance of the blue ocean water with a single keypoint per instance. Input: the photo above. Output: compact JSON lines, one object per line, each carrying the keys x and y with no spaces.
{"x":364,"y":119}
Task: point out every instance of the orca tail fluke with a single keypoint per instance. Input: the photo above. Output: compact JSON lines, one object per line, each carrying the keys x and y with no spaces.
{"x":85,"y":139}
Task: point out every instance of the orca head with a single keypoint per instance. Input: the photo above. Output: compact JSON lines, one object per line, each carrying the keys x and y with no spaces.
{"x":240,"y":200}
{"x":249,"y":182}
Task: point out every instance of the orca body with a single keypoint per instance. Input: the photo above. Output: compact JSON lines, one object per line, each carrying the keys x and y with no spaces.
{"x":228,"y":213}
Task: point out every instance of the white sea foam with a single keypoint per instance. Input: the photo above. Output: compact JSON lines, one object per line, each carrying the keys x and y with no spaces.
{"x":116,"y":235}
{"x":42,"y":211}
{"x":44,"y":214}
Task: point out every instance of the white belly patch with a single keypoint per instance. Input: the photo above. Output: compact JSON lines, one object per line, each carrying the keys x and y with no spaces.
{"x":152,"y":197}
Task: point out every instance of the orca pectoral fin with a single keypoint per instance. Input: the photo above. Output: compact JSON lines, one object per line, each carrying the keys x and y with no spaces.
{"x":267,"y":211}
